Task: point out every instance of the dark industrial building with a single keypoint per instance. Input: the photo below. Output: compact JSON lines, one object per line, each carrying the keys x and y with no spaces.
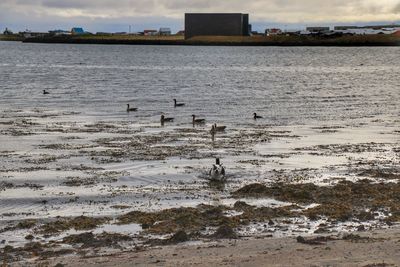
{"x":216,"y":24}
{"x":318,"y":29}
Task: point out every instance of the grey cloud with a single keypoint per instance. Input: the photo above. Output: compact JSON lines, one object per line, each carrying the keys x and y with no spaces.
{"x":66,"y":4}
{"x":396,"y":9}
{"x":182,"y":4}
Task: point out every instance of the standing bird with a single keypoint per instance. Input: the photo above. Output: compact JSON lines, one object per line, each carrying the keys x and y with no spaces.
{"x":255,"y":116}
{"x":197,"y":120}
{"x":219,"y":128}
{"x":213,"y":132}
{"x":217,"y":171}
{"x":45,"y":92}
{"x":130,"y":109}
{"x":178,"y":104}
{"x":164,"y":119}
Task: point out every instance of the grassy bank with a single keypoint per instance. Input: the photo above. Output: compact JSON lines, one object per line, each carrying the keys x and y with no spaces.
{"x":13,"y":37}
{"x":362,"y":40}
{"x":302,"y":40}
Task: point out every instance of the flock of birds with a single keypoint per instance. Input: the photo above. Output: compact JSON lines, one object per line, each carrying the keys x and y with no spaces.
{"x":217,"y":171}
{"x":214,"y":127}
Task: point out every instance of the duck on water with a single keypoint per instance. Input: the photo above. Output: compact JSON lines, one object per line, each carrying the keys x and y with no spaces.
{"x":165,"y":119}
{"x":130,"y":109}
{"x":219,"y":128}
{"x":176,"y":104}
{"x":197,"y":120}
{"x":255,"y":116}
{"x":217,"y":171}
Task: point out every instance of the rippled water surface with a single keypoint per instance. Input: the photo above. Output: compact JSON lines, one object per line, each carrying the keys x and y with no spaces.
{"x":288,"y":85}
{"x":324,"y":111}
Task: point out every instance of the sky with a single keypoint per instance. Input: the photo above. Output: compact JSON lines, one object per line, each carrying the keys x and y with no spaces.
{"x":117,"y":15}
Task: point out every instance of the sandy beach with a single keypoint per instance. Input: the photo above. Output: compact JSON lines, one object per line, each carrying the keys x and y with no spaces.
{"x":372,"y":248}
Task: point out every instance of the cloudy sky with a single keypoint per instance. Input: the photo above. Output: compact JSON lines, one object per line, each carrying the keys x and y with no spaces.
{"x":117,"y":15}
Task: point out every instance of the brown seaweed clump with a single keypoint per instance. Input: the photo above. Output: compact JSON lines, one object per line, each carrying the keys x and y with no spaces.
{"x":89,"y":240}
{"x":78,"y":223}
{"x":193,"y":220}
{"x":343,"y":201}
{"x":187,"y":219}
{"x":26,"y":224}
{"x":179,"y":237}
{"x":225,"y":232}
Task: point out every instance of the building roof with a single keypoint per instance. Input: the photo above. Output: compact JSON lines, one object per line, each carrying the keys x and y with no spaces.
{"x":77,"y":30}
{"x":217,"y":14}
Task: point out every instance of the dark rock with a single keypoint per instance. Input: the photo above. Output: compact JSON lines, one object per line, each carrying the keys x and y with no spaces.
{"x":225,"y":232}
{"x":179,"y":237}
{"x":300,"y":239}
{"x":361,"y":228}
{"x":29,"y":237}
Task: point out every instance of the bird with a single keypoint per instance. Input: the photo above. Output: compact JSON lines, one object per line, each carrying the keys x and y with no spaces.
{"x":217,"y":171}
{"x":219,"y":128}
{"x":178,"y":104}
{"x":255,"y":116}
{"x":212,"y":132}
{"x":164,"y":119}
{"x":198,"y":120}
{"x":130,"y":109}
{"x":45,"y":92}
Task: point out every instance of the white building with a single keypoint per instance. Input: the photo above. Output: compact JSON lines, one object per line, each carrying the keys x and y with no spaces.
{"x":164,"y":31}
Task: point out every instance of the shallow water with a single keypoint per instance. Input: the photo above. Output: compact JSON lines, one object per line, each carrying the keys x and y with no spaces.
{"x":307,"y":96}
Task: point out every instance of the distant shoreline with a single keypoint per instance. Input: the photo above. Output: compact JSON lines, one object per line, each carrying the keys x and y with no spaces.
{"x":280,"y":40}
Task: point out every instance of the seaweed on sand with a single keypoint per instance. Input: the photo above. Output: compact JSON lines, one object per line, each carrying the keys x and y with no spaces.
{"x":77,"y":223}
{"x":89,"y":240}
{"x":342,"y":201}
{"x":187,"y":219}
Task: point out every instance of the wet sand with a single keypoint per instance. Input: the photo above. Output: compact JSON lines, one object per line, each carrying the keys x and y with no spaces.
{"x":372,"y":248}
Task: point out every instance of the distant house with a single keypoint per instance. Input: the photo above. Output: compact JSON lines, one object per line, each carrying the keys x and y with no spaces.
{"x":373,"y":27}
{"x":77,"y":31}
{"x":180,"y":33}
{"x":318,"y":29}
{"x":7,"y":32}
{"x":164,"y":31}
{"x":344,"y":28}
{"x":367,"y":31}
{"x":30,"y":34}
{"x":59,"y":32}
{"x":273,"y":31}
{"x":150,"y":32}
